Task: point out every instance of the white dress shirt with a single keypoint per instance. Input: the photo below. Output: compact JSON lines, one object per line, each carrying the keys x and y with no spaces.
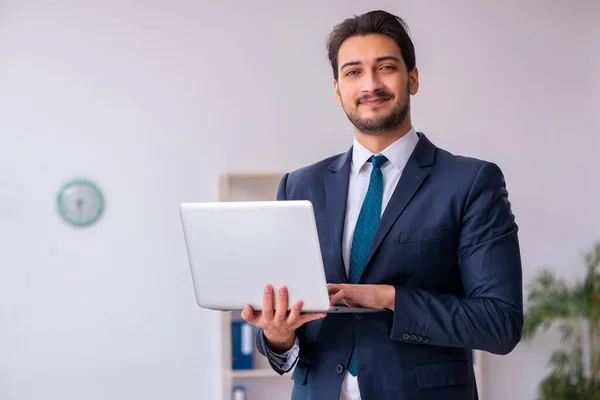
{"x":397,"y":154}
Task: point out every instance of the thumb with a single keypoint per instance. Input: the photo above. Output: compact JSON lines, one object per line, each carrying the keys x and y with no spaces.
{"x":249,"y":316}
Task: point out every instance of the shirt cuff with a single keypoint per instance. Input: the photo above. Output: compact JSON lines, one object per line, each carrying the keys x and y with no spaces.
{"x":284,"y":362}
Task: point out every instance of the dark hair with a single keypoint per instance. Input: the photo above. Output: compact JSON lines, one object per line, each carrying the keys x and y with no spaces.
{"x":373,"y":22}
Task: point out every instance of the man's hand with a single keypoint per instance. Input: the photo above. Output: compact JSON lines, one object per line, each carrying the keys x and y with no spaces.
{"x":367,"y":296}
{"x":279,"y":326}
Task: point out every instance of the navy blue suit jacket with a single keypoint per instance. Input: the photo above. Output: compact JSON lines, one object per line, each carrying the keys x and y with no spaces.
{"x":448,"y":243}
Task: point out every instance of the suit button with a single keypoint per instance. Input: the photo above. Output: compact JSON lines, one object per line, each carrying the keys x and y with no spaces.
{"x":405,"y":336}
{"x":360,"y":316}
{"x":340,"y":368}
{"x":419,"y":338}
{"x":413,"y":337}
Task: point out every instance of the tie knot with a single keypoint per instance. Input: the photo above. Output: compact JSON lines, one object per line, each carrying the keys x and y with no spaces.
{"x":378,"y":161}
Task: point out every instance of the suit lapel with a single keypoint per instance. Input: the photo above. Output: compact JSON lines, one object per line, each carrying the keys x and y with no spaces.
{"x":411,"y":180}
{"x":336,"y":192}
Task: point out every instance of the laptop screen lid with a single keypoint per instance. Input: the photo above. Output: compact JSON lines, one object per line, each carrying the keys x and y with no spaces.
{"x":236,"y":248}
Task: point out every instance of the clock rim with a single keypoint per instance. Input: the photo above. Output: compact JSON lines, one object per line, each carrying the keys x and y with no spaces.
{"x":85,"y":182}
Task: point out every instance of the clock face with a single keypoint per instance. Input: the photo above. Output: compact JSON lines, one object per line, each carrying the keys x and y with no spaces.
{"x":80,"y":202}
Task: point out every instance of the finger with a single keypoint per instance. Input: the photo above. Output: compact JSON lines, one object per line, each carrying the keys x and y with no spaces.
{"x":333,"y":288}
{"x":267,"y":308}
{"x":295,"y":313}
{"x":351,"y":304}
{"x":282,"y":304}
{"x":338,"y":297}
{"x":304,"y":318}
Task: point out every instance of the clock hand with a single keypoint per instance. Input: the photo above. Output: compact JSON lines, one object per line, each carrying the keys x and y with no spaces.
{"x":79,"y":203}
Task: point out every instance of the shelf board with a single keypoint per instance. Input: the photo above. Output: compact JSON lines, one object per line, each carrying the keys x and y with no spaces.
{"x":255,"y":373}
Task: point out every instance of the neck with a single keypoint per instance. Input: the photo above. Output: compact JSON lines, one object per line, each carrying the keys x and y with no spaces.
{"x":377,"y":143}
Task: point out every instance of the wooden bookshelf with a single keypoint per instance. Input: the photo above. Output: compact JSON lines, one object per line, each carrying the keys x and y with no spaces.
{"x":261,"y":382}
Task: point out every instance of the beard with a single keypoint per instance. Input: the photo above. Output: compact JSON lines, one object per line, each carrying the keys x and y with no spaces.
{"x":384,"y":123}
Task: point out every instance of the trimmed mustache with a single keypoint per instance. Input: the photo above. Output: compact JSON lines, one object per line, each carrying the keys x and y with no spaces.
{"x":379,"y":96}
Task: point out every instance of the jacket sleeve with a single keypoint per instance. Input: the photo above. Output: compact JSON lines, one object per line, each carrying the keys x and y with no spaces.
{"x":490,"y":316}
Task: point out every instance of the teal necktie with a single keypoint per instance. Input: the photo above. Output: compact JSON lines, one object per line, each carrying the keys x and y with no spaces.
{"x":366,"y":225}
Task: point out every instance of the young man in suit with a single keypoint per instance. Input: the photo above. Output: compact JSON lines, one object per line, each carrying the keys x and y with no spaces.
{"x":424,"y":235}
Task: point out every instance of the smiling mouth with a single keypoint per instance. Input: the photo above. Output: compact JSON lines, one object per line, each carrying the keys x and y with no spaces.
{"x":374,"y":102}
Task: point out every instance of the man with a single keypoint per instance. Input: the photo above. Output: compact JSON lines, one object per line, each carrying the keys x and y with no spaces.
{"x":426,"y":236}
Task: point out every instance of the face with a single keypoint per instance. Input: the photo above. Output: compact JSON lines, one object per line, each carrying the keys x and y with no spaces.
{"x":373,"y":85}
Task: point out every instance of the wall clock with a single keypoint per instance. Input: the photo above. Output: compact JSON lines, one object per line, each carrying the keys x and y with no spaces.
{"x":80,"y":202}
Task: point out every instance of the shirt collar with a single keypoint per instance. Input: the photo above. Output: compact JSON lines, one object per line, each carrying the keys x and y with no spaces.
{"x":397,"y":153}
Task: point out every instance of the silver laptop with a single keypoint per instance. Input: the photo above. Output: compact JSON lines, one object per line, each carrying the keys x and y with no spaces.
{"x":236,"y":248}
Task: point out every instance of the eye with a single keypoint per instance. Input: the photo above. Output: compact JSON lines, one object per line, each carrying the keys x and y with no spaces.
{"x":350,"y":73}
{"x":388,"y":67}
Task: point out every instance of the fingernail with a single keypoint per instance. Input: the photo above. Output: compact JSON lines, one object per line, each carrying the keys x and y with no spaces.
{"x":268,"y":288}
{"x":283,"y":290}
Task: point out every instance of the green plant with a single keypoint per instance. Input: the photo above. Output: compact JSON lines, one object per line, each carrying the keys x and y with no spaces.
{"x":575,"y":370}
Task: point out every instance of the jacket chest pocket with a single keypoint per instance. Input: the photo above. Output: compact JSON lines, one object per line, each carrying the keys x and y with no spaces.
{"x":429,"y":247}
{"x":442,"y":234}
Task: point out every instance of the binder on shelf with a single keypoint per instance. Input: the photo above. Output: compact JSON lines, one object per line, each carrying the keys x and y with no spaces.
{"x":242,"y":346}
{"x":238,"y":393}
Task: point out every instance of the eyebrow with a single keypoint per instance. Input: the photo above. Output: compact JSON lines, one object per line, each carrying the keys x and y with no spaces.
{"x":379,"y":59}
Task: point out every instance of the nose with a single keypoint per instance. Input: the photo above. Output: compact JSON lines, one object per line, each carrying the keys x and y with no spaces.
{"x":371,"y":83}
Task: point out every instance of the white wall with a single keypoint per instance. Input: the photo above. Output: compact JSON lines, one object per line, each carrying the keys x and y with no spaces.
{"x":153,"y":100}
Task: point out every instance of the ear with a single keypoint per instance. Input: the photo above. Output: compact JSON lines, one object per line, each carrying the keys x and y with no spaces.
{"x":336,"y":91}
{"x":414,"y":81}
